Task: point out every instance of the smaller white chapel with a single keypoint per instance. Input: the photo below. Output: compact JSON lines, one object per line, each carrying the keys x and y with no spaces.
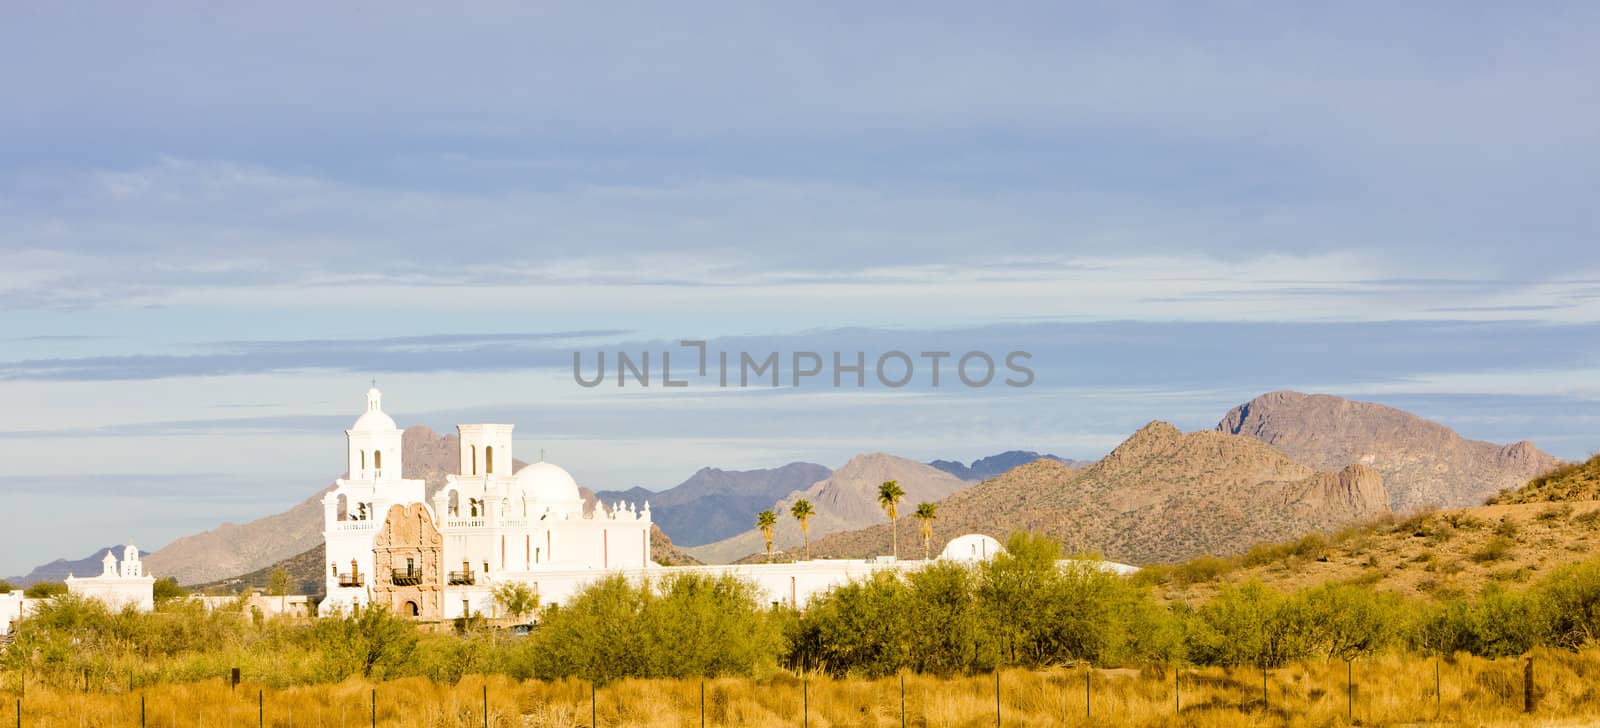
{"x":118,"y":585}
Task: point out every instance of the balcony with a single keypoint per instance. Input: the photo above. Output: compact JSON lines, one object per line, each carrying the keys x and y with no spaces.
{"x":463,"y":578}
{"x":406,"y":577}
{"x":352,"y":579}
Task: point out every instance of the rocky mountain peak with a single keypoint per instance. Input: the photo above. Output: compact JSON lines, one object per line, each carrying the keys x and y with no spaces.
{"x":1422,"y":463}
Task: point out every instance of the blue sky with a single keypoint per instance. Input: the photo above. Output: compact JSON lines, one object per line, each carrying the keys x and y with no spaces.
{"x":217,"y":224}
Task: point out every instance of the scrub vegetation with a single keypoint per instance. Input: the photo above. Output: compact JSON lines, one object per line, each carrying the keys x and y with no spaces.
{"x":948,"y":628}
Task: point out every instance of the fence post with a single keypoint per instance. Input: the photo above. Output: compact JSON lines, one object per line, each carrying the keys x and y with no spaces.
{"x":702,"y":703}
{"x":1527,"y":686}
{"x":1350,"y":690}
{"x":1087,"y":704}
{"x":593,"y":721}
{"x":805,"y":700}
{"x":902,"y":700}
{"x":261,"y":708}
{"x":486,"y":704}
{"x":1438,"y":696}
{"x":374,"y":708}
{"x":997,"y":696}
{"x":19,"y":712}
{"x":1264,"y":703}
{"x":1177,"y":698}
{"x":141,"y":711}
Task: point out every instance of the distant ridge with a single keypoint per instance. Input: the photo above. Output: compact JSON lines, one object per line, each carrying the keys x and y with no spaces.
{"x":714,"y":504}
{"x":845,"y":500}
{"x":1424,"y":464}
{"x":61,"y":568}
{"x":993,"y":465}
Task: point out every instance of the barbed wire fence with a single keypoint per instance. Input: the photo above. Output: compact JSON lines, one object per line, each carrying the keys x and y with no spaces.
{"x":1016,"y":697}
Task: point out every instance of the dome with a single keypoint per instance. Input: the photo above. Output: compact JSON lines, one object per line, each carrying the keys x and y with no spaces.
{"x":971,"y":547}
{"x":543,"y":482}
{"x":374,"y":418}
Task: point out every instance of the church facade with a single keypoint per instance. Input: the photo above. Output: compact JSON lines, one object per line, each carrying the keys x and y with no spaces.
{"x":442,"y":558}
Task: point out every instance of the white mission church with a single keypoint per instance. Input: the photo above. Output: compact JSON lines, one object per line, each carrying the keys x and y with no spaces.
{"x":442,"y":559}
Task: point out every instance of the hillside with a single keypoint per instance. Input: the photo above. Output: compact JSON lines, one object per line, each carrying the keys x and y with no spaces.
{"x":1423,"y":463}
{"x":1162,"y":495}
{"x":1571,"y":482}
{"x":1432,"y":555}
{"x":845,"y":500}
{"x":714,"y":504}
{"x":232,"y":549}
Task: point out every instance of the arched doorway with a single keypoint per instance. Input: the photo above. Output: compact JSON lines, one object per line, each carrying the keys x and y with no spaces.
{"x":411,"y":609}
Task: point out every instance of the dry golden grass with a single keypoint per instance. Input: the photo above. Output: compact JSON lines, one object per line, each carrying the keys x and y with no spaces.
{"x":1390,"y":690}
{"x":1431,"y":556}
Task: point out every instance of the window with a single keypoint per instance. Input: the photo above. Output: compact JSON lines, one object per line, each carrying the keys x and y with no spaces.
{"x":466,"y":608}
{"x":488,"y":460}
{"x":411,"y":609}
{"x":474,"y":459}
{"x":411,"y":566}
{"x":377,"y":459}
{"x":454,"y":508}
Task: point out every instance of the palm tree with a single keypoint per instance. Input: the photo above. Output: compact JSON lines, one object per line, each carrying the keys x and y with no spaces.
{"x":765,"y":521}
{"x":927,"y":513}
{"x":889,"y":495}
{"x":802,"y":512}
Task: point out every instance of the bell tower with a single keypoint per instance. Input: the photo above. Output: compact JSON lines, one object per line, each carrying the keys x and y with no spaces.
{"x":485,"y":450}
{"x":373,"y":444}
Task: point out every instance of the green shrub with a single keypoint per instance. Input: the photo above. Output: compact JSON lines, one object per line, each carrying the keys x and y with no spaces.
{"x":1200,"y":570}
{"x":1495,"y":549}
{"x":45,"y":589}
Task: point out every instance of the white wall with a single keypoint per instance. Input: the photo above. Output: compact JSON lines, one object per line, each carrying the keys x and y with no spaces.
{"x":11,"y":610}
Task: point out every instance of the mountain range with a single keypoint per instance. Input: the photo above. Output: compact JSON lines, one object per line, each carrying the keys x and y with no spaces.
{"x":714,"y":504}
{"x":845,"y":500}
{"x":1162,"y":495}
{"x":1208,"y":492}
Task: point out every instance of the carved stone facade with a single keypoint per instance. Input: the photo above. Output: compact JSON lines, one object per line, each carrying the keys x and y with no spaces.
{"x":407,"y":558}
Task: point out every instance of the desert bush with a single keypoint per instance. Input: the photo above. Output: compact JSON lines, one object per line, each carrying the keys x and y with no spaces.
{"x":45,"y":589}
{"x":1573,"y":597}
{"x":1495,"y":549}
{"x":1497,"y":623}
{"x":686,"y":625}
{"x":1558,"y":512}
{"x":1250,"y":624}
{"x":370,"y":642}
{"x":1201,"y":569}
